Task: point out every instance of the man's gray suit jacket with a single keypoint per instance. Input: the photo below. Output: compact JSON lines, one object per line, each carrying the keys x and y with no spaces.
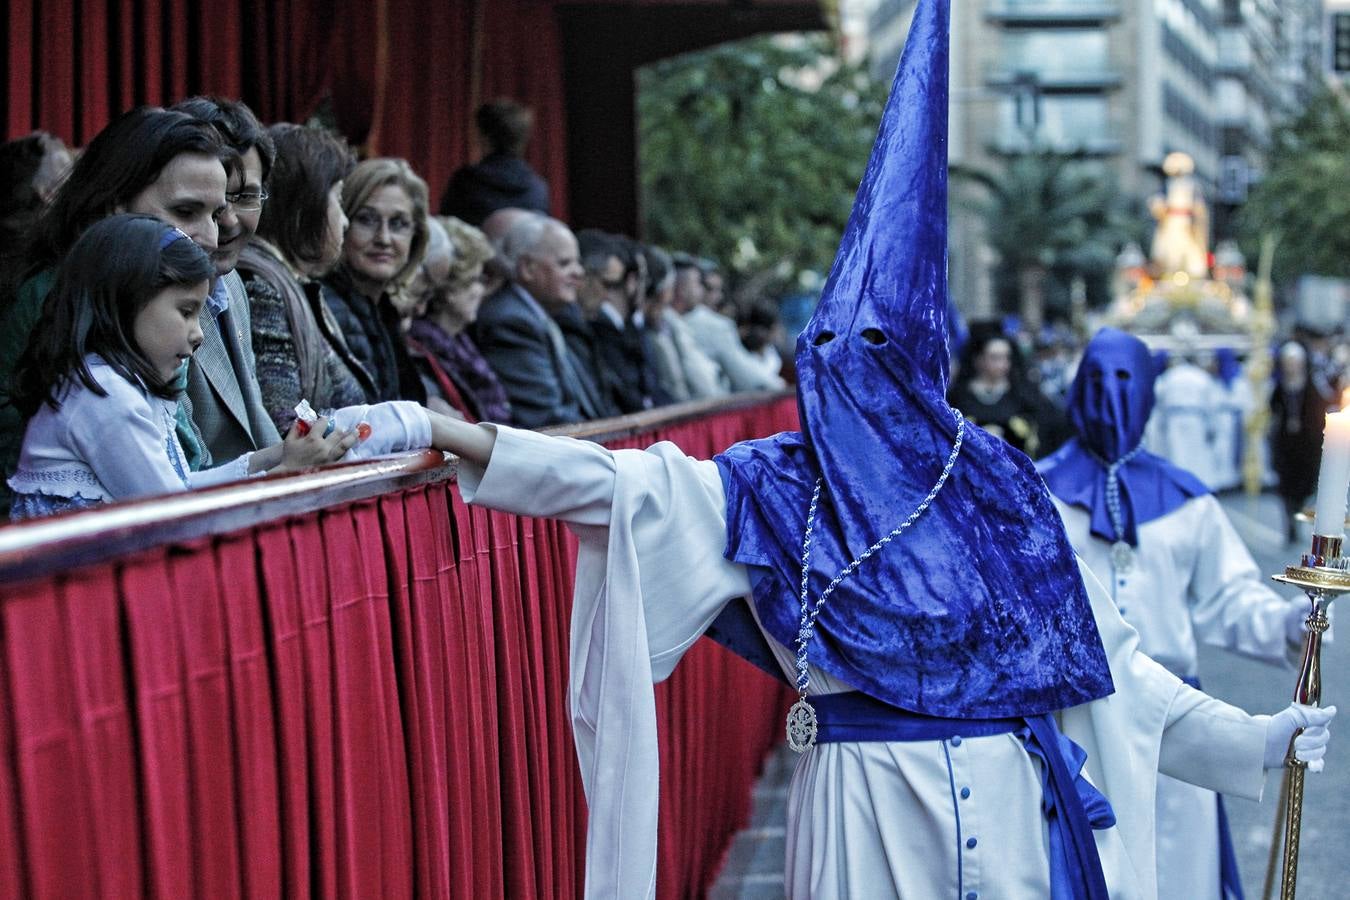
{"x":224,"y":399}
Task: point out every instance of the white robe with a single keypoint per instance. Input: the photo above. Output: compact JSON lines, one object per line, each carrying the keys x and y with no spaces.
{"x":1182,"y":426}
{"x":1192,"y":580}
{"x":1230,"y":417}
{"x":876,"y":819}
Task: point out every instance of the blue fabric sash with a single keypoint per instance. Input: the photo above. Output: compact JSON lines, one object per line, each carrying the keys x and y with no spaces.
{"x":1230,"y":882}
{"x":1072,"y":807}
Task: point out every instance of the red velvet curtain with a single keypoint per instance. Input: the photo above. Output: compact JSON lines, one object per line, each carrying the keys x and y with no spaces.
{"x":403,"y":77}
{"x":74,"y":64}
{"x":369,"y":701}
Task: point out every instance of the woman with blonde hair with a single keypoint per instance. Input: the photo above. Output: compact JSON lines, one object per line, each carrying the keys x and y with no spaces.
{"x":446,"y":295}
{"x":386,"y":207}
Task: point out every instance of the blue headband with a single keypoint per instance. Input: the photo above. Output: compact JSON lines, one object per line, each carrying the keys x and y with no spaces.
{"x":170,"y":235}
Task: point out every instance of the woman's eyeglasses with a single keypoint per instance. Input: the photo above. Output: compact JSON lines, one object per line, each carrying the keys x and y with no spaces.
{"x":371,"y":222}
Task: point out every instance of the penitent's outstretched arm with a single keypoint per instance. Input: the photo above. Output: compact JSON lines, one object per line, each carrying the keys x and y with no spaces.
{"x":471,"y":442}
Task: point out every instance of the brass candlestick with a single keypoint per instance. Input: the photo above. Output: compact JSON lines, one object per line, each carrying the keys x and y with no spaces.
{"x":1323,"y":575}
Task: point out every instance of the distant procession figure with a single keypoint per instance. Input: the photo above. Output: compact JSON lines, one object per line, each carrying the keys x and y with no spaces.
{"x":974,"y":717}
{"x":1188,"y":401}
{"x":1175,"y":568}
{"x":1298,"y":403}
{"x":1235,"y":405}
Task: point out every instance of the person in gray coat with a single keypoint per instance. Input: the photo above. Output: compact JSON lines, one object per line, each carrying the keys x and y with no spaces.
{"x":223,"y":396}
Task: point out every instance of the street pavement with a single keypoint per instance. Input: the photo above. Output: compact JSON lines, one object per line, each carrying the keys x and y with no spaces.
{"x":754,"y":866}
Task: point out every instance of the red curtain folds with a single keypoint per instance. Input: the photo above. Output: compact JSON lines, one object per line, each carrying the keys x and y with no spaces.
{"x":364,"y":702}
{"x":403,"y":77}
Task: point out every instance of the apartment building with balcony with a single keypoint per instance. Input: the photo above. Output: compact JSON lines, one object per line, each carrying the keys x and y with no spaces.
{"x":1123,"y":82}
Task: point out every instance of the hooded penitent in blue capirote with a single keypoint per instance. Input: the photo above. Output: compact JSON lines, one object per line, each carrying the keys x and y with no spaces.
{"x":978,"y":610}
{"x":1109,"y":404}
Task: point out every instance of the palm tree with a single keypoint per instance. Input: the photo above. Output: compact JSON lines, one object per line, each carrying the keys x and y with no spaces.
{"x":1045,"y":211}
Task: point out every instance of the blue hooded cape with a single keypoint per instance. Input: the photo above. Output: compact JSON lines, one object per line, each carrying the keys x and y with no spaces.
{"x":1109,"y":404}
{"x":978,"y":610}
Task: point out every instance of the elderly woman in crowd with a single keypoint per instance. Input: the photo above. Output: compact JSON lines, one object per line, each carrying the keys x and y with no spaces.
{"x":301,"y":353}
{"x":448,"y":289}
{"x":386,"y":207}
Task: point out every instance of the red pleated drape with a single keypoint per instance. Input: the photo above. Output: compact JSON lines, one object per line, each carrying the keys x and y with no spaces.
{"x":401,"y":77}
{"x":369,"y":701}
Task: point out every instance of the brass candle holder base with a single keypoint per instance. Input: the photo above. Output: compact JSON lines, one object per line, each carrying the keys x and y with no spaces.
{"x":1323,"y":574}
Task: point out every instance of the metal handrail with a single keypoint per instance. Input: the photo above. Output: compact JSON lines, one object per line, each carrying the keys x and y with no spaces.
{"x":40,"y":547}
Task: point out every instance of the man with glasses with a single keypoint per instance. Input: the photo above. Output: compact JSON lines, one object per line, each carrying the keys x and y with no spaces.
{"x":604,"y":297}
{"x":224,"y":399}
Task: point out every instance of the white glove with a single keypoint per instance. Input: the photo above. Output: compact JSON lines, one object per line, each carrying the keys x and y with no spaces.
{"x":1310,"y":746}
{"x":393,"y":426}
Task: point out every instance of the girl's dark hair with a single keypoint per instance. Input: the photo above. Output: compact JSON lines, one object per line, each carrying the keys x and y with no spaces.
{"x":115,"y":268}
{"x":309,"y":162}
{"x":122,"y":160}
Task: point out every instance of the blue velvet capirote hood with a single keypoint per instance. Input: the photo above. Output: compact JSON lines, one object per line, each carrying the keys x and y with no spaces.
{"x":978,"y":609}
{"x":1109,"y":404}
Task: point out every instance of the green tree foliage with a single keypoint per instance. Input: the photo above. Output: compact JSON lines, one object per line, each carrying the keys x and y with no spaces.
{"x":1048,"y":214}
{"x":751,"y":152}
{"x":1303,"y":200}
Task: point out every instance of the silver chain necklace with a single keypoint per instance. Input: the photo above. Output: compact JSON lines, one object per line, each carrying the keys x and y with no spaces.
{"x":802,"y":726}
{"x":1122,"y":554}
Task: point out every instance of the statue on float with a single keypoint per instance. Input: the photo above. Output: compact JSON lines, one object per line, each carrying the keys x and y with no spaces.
{"x":1181,"y":243}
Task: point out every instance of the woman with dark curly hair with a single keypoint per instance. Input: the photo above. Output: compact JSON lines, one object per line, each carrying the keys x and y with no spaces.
{"x":301,"y":353}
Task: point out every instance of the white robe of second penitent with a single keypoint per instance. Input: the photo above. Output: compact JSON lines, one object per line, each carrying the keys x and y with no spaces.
{"x":864,"y":819}
{"x":1192,"y":580}
{"x":1181,"y":428}
{"x":1235,"y":404}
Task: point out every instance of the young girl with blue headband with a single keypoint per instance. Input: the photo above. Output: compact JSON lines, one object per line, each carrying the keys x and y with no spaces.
{"x":97,"y":383}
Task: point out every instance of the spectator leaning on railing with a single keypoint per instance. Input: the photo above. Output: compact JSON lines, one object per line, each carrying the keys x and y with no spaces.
{"x":147,"y":160}
{"x":449,"y":289}
{"x":546,"y":383}
{"x":386,"y":207}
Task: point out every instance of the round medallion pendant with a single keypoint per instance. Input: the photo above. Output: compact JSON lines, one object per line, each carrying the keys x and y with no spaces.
{"x":801,"y":726}
{"x":1122,"y":557}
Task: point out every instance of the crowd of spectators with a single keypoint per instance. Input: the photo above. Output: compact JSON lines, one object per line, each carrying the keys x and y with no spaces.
{"x":335,"y":285}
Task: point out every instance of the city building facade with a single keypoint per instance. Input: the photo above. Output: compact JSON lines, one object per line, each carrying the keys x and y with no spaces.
{"x":1122,"y":83}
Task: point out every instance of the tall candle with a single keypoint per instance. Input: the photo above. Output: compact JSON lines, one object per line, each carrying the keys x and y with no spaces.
{"x":1333,"y":480}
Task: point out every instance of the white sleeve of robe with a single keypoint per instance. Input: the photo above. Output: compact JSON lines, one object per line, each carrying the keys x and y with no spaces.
{"x":665,"y":553}
{"x":668,"y":557}
{"x":1153,"y":722}
{"x":1193,"y":580}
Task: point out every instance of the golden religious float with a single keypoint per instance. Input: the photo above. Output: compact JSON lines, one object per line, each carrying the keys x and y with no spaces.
{"x":1185,"y":300}
{"x":1180,"y":298}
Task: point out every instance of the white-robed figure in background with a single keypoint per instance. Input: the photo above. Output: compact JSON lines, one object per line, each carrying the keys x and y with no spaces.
{"x":1175,"y":568}
{"x":1185,"y":421}
{"x":1235,"y":404}
{"x":973,"y":691}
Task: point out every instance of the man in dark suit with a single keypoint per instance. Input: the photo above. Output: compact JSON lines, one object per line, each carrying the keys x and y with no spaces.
{"x":545,"y":381}
{"x":620,"y":356}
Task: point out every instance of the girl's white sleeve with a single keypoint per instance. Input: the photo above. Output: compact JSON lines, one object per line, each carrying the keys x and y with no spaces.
{"x":121,"y":438}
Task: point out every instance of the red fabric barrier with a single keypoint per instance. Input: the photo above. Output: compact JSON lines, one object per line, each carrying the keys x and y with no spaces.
{"x":369,"y":701}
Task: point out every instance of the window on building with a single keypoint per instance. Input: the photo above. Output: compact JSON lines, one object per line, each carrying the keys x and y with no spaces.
{"x":1056,"y":52}
{"x":1068,"y":122}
